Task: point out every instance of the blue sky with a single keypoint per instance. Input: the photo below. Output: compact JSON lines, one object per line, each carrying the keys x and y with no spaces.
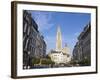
{"x":71,"y":24}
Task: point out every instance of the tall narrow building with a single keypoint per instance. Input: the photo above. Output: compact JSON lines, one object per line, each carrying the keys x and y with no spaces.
{"x":58,"y":40}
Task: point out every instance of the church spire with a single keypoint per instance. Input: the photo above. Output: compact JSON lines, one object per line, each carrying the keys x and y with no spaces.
{"x":58,"y":39}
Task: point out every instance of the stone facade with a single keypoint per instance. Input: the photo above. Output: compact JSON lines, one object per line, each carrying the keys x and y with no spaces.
{"x":82,"y":49}
{"x":33,"y":42}
{"x":60,"y":57}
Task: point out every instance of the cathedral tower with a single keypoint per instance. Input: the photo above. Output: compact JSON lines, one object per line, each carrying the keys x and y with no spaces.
{"x":58,"y":40}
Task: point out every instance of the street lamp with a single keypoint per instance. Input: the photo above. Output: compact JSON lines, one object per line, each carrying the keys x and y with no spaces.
{"x":28,"y":64}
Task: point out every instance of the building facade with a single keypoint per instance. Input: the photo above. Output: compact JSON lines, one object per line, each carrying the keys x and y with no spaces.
{"x":33,"y":42}
{"x":59,"y":57}
{"x":82,"y":49}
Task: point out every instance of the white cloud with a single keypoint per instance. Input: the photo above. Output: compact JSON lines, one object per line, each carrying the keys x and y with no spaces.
{"x":43,"y":20}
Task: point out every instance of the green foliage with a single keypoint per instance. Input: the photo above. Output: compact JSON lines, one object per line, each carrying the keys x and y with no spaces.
{"x":85,"y":62}
{"x":35,"y":61}
{"x":73,"y":62}
{"x":48,"y":57}
{"x":47,"y":61}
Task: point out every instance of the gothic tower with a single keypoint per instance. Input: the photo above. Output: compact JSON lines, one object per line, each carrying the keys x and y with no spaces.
{"x":58,"y":40}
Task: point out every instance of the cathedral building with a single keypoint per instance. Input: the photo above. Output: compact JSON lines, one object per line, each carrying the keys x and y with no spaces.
{"x":60,"y":55}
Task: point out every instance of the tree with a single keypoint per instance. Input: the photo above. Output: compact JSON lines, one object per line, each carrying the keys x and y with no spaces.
{"x":47,"y":61}
{"x":48,"y":57}
{"x":85,"y":62}
{"x":35,"y":61}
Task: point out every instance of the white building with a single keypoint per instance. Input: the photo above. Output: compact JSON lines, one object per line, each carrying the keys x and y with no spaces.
{"x":59,"y":57}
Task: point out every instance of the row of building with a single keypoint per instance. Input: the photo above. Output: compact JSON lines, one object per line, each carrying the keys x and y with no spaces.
{"x":33,"y":42}
{"x":82,"y":49}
